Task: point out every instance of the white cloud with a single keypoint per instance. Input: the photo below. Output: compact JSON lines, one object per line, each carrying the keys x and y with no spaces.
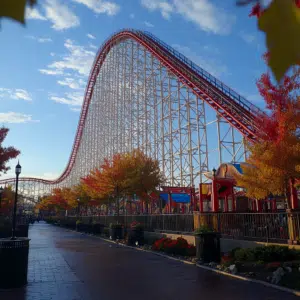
{"x":101,"y":7}
{"x":18,"y":94}
{"x":51,"y":72}
{"x":78,"y":59}
{"x":131,"y":16}
{"x":90,"y":36}
{"x":72,"y":99}
{"x":52,"y":53}
{"x":14,"y":117}
{"x":72,"y":83}
{"x":247,"y":37}
{"x":209,"y":64}
{"x":165,"y":8}
{"x":203,"y":13}
{"x":44,"y":40}
{"x":76,"y":109}
{"x":60,"y":15}
{"x":92,"y":46}
{"x":33,"y":13}
{"x":148,"y":24}
{"x":40,"y":40}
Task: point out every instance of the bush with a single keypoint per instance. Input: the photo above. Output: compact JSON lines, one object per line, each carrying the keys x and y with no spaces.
{"x":106,"y":231}
{"x":136,"y":225}
{"x":203,"y":229}
{"x":266,"y":254}
{"x":115,"y":226}
{"x":180,"y":246}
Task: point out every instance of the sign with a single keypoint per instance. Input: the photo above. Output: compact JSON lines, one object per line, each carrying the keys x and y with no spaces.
{"x":177,"y":198}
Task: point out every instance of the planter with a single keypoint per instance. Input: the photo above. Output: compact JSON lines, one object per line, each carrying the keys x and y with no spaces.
{"x":116,"y":233}
{"x":98,"y":228}
{"x":208,"y":247}
{"x":135,"y":235}
{"x":14,"y":262}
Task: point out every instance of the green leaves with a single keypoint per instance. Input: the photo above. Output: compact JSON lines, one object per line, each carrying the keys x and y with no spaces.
{"x":281,"y":23}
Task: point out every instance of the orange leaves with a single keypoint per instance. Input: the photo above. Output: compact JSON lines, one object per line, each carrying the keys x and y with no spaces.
{"x":283,"y":104}
{"x":126,"y":174}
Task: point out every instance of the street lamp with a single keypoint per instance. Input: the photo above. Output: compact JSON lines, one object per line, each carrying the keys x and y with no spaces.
{"x":18,"y":172}
{"x":214,"y":172}
{"x":1,"y":191}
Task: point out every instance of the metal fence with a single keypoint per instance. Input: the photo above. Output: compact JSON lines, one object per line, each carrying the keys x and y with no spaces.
{"x":174,"y":223}
{"x":264,"y":227}
{"x":267,"y":227}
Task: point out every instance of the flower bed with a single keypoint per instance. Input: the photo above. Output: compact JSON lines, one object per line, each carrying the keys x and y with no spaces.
{"x":275,"y":264}
{"x":180,"y":247}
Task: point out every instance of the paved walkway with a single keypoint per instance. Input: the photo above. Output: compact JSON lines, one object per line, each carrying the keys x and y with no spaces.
{"x":64,"y":265}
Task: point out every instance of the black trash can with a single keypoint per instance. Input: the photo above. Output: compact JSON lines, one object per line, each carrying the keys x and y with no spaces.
{"x":13,"y":262}
{"x":208,"y":247}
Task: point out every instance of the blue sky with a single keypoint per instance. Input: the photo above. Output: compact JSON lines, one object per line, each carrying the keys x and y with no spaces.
{"x":45,"y":65}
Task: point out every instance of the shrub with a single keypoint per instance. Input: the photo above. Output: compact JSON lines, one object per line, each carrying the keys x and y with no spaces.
{"x":106,"y":231}
{"x":115,"y":226}
{"x":272,"y":253}
{"x":136,"y":225}
{"x":203,"y":229}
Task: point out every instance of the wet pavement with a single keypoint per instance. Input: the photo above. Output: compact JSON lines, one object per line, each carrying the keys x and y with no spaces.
{"x":65,"y":265}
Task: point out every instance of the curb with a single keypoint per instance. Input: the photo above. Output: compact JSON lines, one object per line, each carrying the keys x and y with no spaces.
{"x":267,"y":284}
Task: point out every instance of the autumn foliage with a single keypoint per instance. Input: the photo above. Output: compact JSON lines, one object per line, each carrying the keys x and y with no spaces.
{"x":6,"y":153}
{"x":275,"y":158}
{"x":116,"y":179}
{"x":7,"y":200}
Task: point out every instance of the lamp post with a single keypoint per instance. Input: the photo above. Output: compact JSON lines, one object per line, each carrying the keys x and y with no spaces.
{"x":18,"y":172}
{"x":1,"y":191}
{"x":214,"y":172}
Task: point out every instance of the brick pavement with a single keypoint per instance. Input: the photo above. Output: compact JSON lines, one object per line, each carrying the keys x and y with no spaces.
{"x":64,"y":265}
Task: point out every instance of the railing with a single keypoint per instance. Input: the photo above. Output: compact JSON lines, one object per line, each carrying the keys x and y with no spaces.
{"x":265,"y":227}
{"x":174,"y":223}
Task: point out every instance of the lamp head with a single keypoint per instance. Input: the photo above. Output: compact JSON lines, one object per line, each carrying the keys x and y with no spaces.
{"x":214,"y":172}
{"x":18,"y":169}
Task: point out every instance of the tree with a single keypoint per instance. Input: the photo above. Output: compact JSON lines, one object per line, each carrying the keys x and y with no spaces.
{"x":144,"y":175}
{"x":6,"y":153}
{"x":7,"y":199}
{"x":109,"y":181}
{"x":275,"y":158}
{"x":126,"y":174}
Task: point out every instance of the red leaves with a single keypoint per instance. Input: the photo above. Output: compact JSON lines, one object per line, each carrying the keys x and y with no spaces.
{"x":256,"y":11}
{"x":6,"y":153}
{"x":281,"y":101}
